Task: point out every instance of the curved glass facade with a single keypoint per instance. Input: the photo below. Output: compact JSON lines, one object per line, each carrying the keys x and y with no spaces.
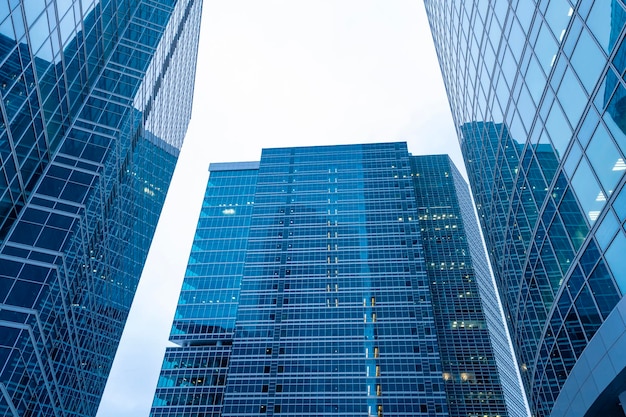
{"x":536,"y":90}
{"x":336,"y":280}
{"x":88,"y":144}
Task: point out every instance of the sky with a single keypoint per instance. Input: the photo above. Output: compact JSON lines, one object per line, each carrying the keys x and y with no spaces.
{"x":275,"y":73}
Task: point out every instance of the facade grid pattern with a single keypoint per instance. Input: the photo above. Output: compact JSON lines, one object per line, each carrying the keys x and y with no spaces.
{"x":537,"y":92}
{"x":88,"y":89}
{"x":333,"y":311}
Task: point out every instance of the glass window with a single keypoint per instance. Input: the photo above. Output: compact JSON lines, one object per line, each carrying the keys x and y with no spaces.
{"x":576,"y":281}
{"x":588,"y":126}
{"x":615,"y":117}
{"x":546,"y":48}
{"x":526,"y":107}
{"x":547,"y":160}
{"x":620,"y":58}
{"x":572,"y":97}
{"x":588,"y":313}
{"x":558,"y":15}
{"x":572,"y":159}
{"x":620,"y":205}
{"x":588,"y":61}
{"x":603,"y":289}
{"x":607,"y":229}
{"x":33,"y":9}
{"x":558,"y":129}
{"x":605,"y":20}
{"x":617,"y":261}
{"x":590,"y":196}
{"x":535,"y":79}
{"x":606,"y":160}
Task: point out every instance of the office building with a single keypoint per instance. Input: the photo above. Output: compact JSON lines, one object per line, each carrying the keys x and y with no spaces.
{"x":338,"y":280}
{"x":96,"y":97}
{"x":537,"y":93}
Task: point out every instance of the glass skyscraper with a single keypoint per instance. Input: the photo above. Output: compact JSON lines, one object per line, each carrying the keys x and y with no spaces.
{"x":96,"y":97}
{"x":338,"y":280}
{"x":537,"y":94}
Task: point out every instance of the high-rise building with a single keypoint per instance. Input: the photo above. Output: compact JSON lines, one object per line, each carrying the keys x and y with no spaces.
{"x":343,"y":280}
{"x":537,"y":94}
{"x":96,"y":97}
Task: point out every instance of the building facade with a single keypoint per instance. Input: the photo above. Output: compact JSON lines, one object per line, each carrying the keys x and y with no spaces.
{"x":537,"y":93}
{"x":338,"y":280}
{"x":96,"y":97}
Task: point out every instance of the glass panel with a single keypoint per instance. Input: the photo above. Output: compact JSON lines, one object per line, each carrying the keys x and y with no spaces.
{"x":560,"y":244}
{"x":590,"y":196}
{"x":607,"y":229}
{"x":615,"y":116}
{"x":588,"y":312}
{"x":572,"y":97}
{"x":619,"y":205}
{"x":573,"y":219}
{"x":547,"y":160}
{"x":546,"y":48}
{"x":588,"y":126}
{"x":558,"y":129}
{"x":606,"y":160}
{"x":588,"y":61}
{"x":606,"y":20}
{"x":603,"y":289}
{"x":616,"y":258}
{"x":572,"y":159}
{"x":558,"y":15}
{"x":535,"y":79}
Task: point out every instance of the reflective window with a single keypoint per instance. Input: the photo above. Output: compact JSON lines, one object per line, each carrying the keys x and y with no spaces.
{"x":616,"y":258}
{"x":607,"y":229}
{"x":615,"y":116}
{"x":558,"y":15}
{"x":535,"y":79}
{"x":603,"y":289}
{"x":590,"y":196}
{"x":546,"y":48}
{"x":572,"y":97}
{"x":606,"y":160}
{"x":588,"y":60}
{"x":620,"y":205}
{"x":573,"y":157}
{"x":558,"y":129}
{"x":573,"y":219}
{"x":605,"y":20}
{"x":588,"y":126}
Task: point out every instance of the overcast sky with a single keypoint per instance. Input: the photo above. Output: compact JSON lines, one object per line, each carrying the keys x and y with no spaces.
{"x":277,"y":73}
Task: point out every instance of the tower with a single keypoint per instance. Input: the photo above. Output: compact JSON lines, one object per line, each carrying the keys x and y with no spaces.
{"x":96,"y":97}
{"x":341,"y":280}
{"x":536,"y":92}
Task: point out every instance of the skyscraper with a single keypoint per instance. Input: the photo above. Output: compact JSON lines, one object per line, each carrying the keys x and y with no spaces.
{"x":537,"y":93}
{"x":96,"y":97}
{"x":343,"y":280}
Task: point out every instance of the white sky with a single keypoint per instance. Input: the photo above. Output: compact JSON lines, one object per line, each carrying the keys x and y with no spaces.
{"x":277,"y":73}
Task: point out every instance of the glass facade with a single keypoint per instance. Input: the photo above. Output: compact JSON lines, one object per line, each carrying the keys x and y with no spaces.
{"x":310,"y":291}
{"x":536,"y":91}
{"x":96,"y":96}
{"x":468,"y":312}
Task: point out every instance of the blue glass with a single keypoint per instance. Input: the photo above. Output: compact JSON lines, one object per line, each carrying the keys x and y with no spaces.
{"x":616,"y":259}
{"x":549,"y":236}
{"x":338,"y":292}
{"x":86,"y":158}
